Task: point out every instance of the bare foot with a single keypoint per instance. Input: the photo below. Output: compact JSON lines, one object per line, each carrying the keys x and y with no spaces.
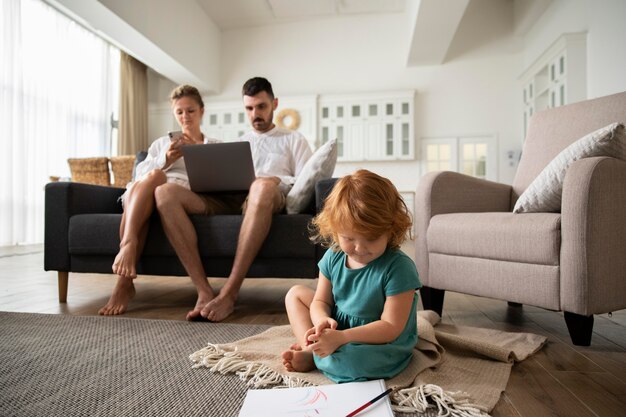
{"x":203,"y":300}
{"x":125,"y":261}
{"x":298,"y":360}
{"x":219,"y":308}
{"x":122,"y":293}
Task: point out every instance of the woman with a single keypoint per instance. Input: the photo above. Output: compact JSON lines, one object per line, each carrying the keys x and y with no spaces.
{"x":164,"y":164}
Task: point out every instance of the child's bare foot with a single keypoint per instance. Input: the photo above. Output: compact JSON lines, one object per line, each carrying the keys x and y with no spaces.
{"x":122,"y":293}
{"x":203,"y":300}
{"x":297,"y":360}
{"x":125,"y":261}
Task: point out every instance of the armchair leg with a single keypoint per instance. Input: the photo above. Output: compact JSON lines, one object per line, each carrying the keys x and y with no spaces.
{"x":63,"y":279}
{"x":580,"y":328}
{"x":432,"y":299}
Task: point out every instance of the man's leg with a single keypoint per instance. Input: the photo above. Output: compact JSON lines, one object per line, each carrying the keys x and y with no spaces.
{"x":138,"y":206}
{"x":264,"y":200}
{"x":175,"y":204}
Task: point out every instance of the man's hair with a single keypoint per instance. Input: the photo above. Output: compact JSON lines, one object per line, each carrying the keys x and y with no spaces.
{"x":186,"y":91}
{"x":255,"y":85}
{"x":363,"y":203}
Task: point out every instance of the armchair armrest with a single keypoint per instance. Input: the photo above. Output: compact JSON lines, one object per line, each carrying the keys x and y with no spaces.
{"x":593,"y":236}
{"x":452,"y":192}
{"x":62,"y":201}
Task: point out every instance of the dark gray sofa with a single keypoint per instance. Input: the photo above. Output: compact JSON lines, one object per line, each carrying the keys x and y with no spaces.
{"x":82,"y":235}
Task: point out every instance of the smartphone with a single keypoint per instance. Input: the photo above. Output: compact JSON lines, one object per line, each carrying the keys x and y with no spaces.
{"x":175,"y":134}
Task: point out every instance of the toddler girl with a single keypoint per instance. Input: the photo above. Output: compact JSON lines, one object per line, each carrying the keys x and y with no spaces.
{"x":360,"y":323}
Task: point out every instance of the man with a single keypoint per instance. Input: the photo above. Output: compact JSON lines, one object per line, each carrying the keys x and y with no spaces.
{"x":279,"y":156}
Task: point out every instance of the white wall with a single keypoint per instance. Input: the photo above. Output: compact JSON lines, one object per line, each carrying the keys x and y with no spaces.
{"x":604,"y":22}
{"x":473,"y":94}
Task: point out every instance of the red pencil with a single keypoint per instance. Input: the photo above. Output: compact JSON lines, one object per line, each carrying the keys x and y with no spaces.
{"x":370,"y":402}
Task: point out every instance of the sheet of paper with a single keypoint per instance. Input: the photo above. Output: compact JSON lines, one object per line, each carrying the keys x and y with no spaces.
{"x":321,"y":401}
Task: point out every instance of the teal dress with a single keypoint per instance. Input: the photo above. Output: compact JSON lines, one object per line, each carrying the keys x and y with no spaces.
{"x":359,"y":296}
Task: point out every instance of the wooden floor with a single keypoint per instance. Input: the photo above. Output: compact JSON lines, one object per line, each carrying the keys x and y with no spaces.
{"x":560,"y":380}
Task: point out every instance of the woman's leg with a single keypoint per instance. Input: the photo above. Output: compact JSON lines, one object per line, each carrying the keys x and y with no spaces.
{"x":298,"y":305}
{"x":138,"y":206}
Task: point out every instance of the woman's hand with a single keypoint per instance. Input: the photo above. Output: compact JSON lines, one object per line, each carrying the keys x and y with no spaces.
{"x":175,"y":150}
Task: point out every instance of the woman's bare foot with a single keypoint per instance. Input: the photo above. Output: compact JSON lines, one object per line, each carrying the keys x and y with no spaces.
{"x":203,"y":300}
{"x":125,"y":261}
{"x":122,"y":293}
{"x":219,"y":308}
{"x":297,"y":360}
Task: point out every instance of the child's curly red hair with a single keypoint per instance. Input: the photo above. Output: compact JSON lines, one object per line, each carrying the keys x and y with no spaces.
{"x":364,"y":203}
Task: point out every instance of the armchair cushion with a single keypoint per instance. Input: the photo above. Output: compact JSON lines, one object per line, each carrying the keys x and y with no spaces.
{"x":544,"y":193}
{"x":533,"y":238}
{"x":319,"y":167}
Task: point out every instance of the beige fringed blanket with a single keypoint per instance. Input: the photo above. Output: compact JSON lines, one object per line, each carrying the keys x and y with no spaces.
{"x":456,"y":370}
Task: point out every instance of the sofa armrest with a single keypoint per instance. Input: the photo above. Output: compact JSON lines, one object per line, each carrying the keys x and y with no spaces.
{"x":593,"y":236}
{"x":451,"y":192}
{"x":322,"y":189}
{"x":62,"y":201}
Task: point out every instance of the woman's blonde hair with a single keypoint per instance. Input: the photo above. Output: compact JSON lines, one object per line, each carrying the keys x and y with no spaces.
{"x":364,"y":203}
{"x":186,"y":91}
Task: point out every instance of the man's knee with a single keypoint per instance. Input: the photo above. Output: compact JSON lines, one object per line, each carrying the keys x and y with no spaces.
{"x":263,"y":194}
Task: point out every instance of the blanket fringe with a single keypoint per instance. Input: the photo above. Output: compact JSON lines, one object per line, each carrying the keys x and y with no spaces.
{"x":419,"y":399}
{"x":406,"y":400}
{"x":256,"y":375}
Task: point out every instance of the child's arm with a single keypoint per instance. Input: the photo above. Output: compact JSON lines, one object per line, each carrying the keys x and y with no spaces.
{"x":393,"y":320}
{"x":321,"y":307}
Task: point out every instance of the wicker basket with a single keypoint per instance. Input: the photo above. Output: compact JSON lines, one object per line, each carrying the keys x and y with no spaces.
{"x":90,"y":170}
{"x":122,"y":168}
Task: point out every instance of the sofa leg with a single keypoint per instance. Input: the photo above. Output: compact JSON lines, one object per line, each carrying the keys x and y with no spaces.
{"x":514,"y":304}
{"x":580,"y":328}
{"x":432,"y":299}
{"x":63,"y":279}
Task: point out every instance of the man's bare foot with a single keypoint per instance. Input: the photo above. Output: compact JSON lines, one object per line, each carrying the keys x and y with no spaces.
{"x":218,"y":308}
{"x":122,"y":293}
{"x":297,"y":360}
{"x":126,"y":260}
{"x":203,"y":300}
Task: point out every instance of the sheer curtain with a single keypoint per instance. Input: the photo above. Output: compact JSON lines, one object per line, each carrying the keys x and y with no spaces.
{"x":58,"y":89}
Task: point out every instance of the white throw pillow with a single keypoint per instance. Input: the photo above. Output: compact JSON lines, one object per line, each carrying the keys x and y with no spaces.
{"x":544,"y":193}
{"x":319,"y":167}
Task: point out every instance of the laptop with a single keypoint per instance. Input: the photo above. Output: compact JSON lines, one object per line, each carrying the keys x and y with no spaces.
{"x":219,"y":167}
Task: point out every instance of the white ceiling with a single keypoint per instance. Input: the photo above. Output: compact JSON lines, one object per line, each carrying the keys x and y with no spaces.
{"x":237,"y":14}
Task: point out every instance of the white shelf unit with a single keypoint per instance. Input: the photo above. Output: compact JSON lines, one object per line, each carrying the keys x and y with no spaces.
{"x":557,"y":77}
{"x":226,"y":121}
{"x":369,"y":127}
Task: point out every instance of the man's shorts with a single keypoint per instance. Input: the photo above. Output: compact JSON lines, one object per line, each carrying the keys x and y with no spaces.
{"x":232,"y":203}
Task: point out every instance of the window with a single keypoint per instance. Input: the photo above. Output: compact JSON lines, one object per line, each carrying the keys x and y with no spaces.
{"x":62,"y":81}
{"x":474,"y":156}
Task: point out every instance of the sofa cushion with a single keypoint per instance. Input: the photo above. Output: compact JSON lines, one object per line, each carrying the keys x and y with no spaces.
{"x":544,"y":193}
{"x":530,"y":238}
{"x":98,"y":234}
{"x":319,"y":167}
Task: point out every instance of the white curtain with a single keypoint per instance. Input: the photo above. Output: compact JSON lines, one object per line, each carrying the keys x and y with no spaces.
{"x":59,"y":86}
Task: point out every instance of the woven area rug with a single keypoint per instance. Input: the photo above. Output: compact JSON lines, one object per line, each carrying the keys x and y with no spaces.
{"x":56,"y":365}
{"x":455,"y":370}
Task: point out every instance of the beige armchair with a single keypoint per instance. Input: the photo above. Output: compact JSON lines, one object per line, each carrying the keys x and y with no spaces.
{"x":468,"y":240}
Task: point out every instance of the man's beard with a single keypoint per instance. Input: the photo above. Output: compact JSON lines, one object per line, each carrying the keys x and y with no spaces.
{"x":262,"y":124}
